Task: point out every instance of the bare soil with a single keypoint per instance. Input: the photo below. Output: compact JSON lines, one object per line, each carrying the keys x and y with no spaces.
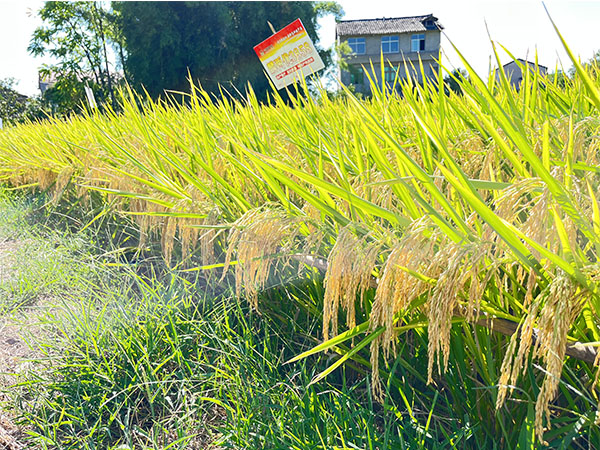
{"x":14,"y":354}
{"x":8,"y":249}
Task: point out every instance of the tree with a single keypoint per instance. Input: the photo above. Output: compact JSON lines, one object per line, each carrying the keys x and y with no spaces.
{"x":559,"y":77}
{"x":78,"y":36}
{"x":563,"y":78}
{"x":453,"y":80}
{"x":592,"y":66}
{"x":212,"y":41}
{"x":17,"y":108}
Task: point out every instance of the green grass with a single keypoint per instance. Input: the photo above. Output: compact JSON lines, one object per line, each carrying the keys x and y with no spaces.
{"x":125,"y":361}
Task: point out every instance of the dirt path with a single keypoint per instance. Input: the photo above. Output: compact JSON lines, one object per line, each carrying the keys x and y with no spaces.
{"x":14,"y":353}
{"x":13,"y":356}
{"x":8,"y":248}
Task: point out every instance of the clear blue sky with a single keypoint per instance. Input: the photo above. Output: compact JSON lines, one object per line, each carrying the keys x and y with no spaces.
{"x":520,"y":25}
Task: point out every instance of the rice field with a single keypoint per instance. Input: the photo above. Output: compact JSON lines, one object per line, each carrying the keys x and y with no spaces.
{"x":466,"y":226}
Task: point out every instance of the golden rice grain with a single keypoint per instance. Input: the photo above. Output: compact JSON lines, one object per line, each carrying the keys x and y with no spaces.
{"x":350,"y":267}
{"x":257,"y":237}
{"x":397,"y":288}
{"x":561,"y":307}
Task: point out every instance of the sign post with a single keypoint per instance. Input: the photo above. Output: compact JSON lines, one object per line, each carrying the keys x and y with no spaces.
{"x":90,"y":96}
{"x":289,"y":55}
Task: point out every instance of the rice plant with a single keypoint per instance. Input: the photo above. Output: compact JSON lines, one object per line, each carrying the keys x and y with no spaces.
{"x":452,"y":220}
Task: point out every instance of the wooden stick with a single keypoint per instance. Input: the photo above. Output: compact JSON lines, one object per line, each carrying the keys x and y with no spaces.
{"x":575,"y":350}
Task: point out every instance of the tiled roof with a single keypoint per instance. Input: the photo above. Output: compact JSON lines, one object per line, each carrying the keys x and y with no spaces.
{"x":522,"y":61}
{"x":413,"y":24}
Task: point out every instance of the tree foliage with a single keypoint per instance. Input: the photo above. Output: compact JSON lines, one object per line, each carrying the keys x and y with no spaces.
{"x":16,"y":108}
{"x":211,"y":41}
{"x":562,"y":77}
{"x":79,"y":37}
{"x":454,"y":80}
{"x":158,"y":45}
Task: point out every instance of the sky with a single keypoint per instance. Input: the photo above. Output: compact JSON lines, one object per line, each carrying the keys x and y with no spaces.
{"x":522,"y":26}
{"x":17,"y":22}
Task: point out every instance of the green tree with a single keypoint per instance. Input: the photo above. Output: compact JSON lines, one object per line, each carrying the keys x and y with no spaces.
{"x":17,"y":108}
{"x":592,"y":65}
{"x":78,"y":35}
{"x":212,"y":41}
{"x":560,"y":77}
{"x":453,"y":80}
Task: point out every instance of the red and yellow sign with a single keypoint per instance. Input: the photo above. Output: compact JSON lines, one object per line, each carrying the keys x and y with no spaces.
{"x":288,"y":55}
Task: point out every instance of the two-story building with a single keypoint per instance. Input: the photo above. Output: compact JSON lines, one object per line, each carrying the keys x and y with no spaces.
{"x":401,"y":40}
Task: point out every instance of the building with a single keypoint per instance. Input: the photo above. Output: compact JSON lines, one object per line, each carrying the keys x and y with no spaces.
{"x":515,"y":74}
{"x":400,"y":39}
{"x":45,"y":82}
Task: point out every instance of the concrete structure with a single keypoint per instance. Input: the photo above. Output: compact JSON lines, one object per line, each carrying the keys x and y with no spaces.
{"x":45,"y":82}
{"x":515,"y":74}
{"x":401,"y":39}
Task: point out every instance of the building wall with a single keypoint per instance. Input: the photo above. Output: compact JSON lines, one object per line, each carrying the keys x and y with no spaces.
{"x":515,"y":75}
{"x":372,"y":57}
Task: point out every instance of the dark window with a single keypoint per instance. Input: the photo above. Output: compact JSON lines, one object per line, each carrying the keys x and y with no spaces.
{"x":356,"y":75}
{"x":390,"y":74}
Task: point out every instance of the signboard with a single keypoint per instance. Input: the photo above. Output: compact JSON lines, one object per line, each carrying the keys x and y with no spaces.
{"x":288,"y":55}
{"x":90,"y":96}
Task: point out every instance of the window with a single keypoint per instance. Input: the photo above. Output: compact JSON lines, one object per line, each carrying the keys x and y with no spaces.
{"x":389,"y":44}
{"x":417,"y":43}
{"x":357,"y":45}
{"x":390,"y":74}
{"x":356,"y":75}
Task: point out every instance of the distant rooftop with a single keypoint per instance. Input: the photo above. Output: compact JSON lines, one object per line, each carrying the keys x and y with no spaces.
{"x":384,"y":25}
{"x":522,"y":61}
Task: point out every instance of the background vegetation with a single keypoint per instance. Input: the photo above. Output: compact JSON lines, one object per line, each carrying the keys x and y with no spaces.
{"x":156,"y":46}
{"x":16,"y":108}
